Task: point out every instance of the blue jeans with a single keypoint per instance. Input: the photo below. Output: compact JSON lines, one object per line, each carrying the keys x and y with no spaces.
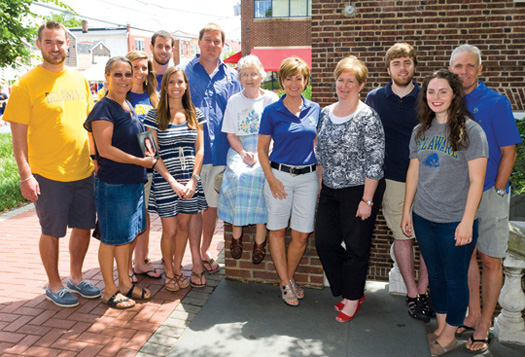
{"x":447,"y":266}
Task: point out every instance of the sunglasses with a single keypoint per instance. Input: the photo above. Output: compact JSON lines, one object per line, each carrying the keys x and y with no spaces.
{"x":120,"y":75}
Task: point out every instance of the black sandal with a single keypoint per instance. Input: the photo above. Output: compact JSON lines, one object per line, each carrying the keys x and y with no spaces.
{"x":113,"y":303}
{"x":129,"y":294}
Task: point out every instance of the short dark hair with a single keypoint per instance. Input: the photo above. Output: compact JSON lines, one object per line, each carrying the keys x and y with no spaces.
{"x":162,"y":34}
{"x":51,"y":25}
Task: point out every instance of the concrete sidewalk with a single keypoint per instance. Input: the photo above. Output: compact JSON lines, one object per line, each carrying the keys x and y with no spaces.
{"x":251,"y":320}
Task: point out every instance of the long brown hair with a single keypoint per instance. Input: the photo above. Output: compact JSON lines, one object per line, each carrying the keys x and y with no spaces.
{"x":163,"y":110}
{"x":150,"y":84}
{"x":457,"y":112}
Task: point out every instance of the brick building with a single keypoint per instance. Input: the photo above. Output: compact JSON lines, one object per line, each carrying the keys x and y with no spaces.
{"x":433,"y":27}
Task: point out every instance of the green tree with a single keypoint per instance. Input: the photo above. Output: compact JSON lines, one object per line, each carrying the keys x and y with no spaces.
{"x":18,"y":29}
{"x":67,"y":20}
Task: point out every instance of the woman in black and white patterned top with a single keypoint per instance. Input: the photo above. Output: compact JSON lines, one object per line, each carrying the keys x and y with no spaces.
{"x":350,"y":151}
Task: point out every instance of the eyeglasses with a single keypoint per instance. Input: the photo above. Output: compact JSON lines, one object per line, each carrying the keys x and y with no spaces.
{"x":120,"y":75}
{"x":253,"y":75}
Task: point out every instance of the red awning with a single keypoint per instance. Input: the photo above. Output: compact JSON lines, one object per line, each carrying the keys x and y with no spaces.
{"x":271,"y":58}
{"x":233,"y":58}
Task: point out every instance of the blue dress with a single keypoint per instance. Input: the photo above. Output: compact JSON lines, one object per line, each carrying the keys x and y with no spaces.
{"x":177,"y":150}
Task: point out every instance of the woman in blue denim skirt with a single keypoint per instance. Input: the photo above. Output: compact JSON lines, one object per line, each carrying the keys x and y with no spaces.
{"x":119,"y":182}
{"x":448,"y":160}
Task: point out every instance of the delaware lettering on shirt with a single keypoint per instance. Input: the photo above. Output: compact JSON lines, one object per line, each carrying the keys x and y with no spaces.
{"x":436,"y":143}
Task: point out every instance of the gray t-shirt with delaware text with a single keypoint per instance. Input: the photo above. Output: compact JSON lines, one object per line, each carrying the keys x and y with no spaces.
{"x":443,"y":179}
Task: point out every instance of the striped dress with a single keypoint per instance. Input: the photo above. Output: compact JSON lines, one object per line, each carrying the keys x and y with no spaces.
{"x":177,"y":150}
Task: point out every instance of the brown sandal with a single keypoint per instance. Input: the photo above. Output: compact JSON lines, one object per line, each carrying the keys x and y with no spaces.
{"x":182,"y":281}
{"x":171,"y":284}
{"x":259,"y":252}
{"x":236,"y":248}
{"x":198,"y":276}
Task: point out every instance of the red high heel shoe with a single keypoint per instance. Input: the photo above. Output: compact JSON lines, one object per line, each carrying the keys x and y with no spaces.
{"x":339,"y":306}
{"x":342,"y":317}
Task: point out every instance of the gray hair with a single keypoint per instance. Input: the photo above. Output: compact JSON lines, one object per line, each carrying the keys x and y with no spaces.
{"x":465,"y":48}
{"x":248,"y":62}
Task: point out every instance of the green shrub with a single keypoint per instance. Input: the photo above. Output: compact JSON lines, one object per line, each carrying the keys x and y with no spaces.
{"x":10,"y":195}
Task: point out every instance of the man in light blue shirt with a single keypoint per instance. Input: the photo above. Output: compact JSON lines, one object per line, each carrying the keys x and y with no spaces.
{"x":212,"y":83}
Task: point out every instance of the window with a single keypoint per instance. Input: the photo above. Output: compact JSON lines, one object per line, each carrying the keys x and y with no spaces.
{"x":282,"y":8}
{"x":139,"y":44}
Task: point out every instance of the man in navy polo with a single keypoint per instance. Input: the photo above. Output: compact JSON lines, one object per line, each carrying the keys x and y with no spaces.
{"x":396,"y":105}
{"x":212,"y":83}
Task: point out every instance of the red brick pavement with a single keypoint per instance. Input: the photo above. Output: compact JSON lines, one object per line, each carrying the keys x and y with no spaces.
{"x":31,"y":325}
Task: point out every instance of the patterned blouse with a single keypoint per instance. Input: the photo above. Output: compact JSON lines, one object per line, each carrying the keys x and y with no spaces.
{"x":350,"y":149}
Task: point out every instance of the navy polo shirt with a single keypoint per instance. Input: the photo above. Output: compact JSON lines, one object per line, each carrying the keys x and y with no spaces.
{"x":398,"y":116}
{"x":293,"y":137}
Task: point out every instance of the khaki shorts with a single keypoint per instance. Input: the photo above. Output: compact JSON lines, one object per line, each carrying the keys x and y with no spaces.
{"x":493,"y":214}
{"x":208,"y":173}
{"x":393,"y":200}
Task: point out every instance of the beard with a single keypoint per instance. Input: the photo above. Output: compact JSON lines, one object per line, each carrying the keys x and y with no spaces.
{"x":53,"y":59}
{"x":402,"y":83}
{"x":160,"y":61}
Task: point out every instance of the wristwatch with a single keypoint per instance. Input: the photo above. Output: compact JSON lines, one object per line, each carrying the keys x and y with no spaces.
{"x":500,"y":191}
{"x":197,"y":177}
{"x":369,"y":203}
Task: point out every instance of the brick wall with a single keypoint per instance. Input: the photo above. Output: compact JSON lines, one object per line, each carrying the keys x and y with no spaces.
{"x":433,"y":27}
{"x":309,"y":273}
{"x":278,"y":32}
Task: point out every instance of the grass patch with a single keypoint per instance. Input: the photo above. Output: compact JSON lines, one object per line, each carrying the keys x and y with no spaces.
{"x":10,"y":195}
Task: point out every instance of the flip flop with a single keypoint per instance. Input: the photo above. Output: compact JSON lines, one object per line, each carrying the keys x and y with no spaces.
{"x":210,"y":264}
{"x":198,"y":276}
{"x":133,"y":278}
{"x":147,"y":274}
{"x":113,"y":302}
{"x":142,"y":295}
{"x":472,"y":340}
{"x":467,"y":330}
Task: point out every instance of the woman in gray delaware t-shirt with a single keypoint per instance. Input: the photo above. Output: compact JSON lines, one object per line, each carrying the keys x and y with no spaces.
{"x":448,"y":160}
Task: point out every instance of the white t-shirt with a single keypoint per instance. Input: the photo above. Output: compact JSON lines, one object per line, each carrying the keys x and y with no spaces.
{"x":243,"y":115}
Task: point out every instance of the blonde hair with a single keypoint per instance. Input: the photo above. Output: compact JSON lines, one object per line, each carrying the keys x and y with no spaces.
{"x":212,"y":27}
{"x":163,"y":110}
{"x":293,"y":66}
{"x":150,"y":84}
{"x":354,"y":65}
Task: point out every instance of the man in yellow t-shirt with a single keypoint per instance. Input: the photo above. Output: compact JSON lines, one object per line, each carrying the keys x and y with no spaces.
{"x":47,"y":109}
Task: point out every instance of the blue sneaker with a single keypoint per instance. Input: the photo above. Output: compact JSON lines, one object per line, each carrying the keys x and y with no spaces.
{"x":63,"y":297}
{"x":84,"y":289}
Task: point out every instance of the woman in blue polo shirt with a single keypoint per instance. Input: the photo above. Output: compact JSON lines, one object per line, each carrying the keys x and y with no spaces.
{"x":292,"y":185}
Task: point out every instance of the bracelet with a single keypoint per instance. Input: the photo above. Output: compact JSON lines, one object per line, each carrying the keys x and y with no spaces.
{"x":27,"y":179}
{"x":369,"y":203}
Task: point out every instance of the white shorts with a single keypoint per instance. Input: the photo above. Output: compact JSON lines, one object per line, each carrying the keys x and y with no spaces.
{"x":208,"y":174}
{"x":298,"y":207}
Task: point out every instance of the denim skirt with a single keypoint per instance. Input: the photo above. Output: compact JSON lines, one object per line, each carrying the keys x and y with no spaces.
{"x":121,"y":211}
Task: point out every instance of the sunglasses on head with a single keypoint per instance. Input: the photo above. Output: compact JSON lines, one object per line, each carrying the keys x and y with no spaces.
{"x":120,"y":75}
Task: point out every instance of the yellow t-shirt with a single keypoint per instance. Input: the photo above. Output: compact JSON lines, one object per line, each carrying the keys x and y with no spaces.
{"x":54,"y":106}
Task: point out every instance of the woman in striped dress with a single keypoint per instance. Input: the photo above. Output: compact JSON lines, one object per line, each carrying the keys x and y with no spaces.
{"x":177,"y":192}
